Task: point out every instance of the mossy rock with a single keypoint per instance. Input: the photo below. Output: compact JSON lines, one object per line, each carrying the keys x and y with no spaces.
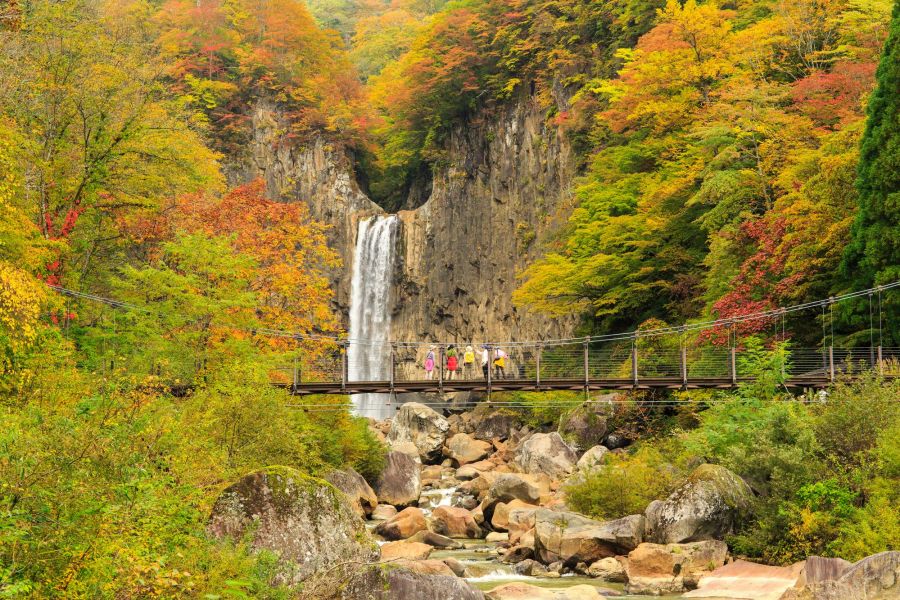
{"x":305,"y":521}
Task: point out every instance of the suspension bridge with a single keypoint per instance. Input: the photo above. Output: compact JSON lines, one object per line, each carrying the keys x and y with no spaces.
{"x":692,"y":356}
{"x":708,"y":354}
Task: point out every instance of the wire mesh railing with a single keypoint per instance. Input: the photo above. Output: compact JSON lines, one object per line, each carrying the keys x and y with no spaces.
{"x":532,"y":366}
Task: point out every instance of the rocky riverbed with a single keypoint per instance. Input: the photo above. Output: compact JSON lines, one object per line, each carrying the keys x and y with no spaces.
{"x":472,"y":506}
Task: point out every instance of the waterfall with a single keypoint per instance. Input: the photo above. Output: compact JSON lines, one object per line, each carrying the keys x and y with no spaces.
{"x":370,"y":311}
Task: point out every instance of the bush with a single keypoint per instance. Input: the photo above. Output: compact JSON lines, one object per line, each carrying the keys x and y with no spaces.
{"x":624,"y":485}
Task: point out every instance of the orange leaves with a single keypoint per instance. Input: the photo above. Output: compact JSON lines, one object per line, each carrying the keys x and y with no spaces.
{"x":289,"y":250}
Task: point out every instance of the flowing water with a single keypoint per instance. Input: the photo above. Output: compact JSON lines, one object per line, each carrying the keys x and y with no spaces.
{"x":370,"y":311}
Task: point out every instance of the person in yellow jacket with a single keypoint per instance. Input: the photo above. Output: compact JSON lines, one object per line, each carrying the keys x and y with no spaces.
{"x":469,"y":362}
{"x":500,"y":364}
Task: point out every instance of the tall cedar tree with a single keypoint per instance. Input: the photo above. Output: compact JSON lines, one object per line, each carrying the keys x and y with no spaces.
{"x":874,"y":254}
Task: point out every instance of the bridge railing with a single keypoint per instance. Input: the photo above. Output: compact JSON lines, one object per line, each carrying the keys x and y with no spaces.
{"x":620,"y":362}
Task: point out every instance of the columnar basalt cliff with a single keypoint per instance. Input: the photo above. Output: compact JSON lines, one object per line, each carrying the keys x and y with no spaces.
{"x":506,"y":175}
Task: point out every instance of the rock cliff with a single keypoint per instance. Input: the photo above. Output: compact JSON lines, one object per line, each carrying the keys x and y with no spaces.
{"x":506,"y":175}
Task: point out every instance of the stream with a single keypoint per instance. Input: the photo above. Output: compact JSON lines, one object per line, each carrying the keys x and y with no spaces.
{"x":483,"y":567}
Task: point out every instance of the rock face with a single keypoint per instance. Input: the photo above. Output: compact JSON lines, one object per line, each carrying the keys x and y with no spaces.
{"x":376,"y":583}
{"x":360,"y":493}
{"x":422,"y":426}
{"x":399,"y":483}
{"x":460,"y":251}
{"x":706,"y":506}
{"x":573,"y":538}
{"x":656,"y":569}
{"x":306,"y":521}
{"x":546,"y":453}
{"x":465,"y":449}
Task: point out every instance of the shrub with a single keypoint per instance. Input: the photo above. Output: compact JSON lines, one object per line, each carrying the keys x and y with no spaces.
{"x":624,"y":485}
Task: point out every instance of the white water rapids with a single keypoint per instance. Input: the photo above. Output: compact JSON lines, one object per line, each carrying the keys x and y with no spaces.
{"x":370,"y":312}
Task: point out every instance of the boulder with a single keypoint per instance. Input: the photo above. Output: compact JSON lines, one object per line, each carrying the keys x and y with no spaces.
{"x":307,"y":522}
{"x":494,"y":425}
{"x":609,"y":569}
{"x":465,"y":449}
{"x":467,"y":472}
{"x":376,"y":583}
{"x":581,"y":592}
{"x":592,"y":459}
{"x":399,"y":483}
{"x":655,"y":569}
{"x":875,"y":577}
{"x":583,"y":426}
{"x":422,"y":426}
{"x":435,"y":539}
{"x":520,"y":521}
{"x":517,"y":554}
{"x":495,"y":537}
{"x":747,"y":581}
{"x":519,"y":591}
{"x":500,"y":518}
{"x":573,"y":538}
{"x":404,"y":524}
{"x":383,"y":512}
{"x":708,"y":505}
{"x":530,"y":568}
{"x":407,"y":448}
{"x":507,"y":487}
{"x":457,"y":567}
{"x":362,"y":496}
{"x":426,"y":567}
{"x":455,"y":522}
{"x":546,"y":453}
{"x":405,"y":549}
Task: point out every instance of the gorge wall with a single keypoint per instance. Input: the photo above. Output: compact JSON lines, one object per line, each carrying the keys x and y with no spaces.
{"x":507,"y":174}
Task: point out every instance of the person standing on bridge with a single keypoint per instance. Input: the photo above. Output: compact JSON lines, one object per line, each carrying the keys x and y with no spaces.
{"x":429,"y":364}
{"x":452,"y":362}
{"x":468,"y":362}
{"x":500,"y":364}
{"x":485,"y":358}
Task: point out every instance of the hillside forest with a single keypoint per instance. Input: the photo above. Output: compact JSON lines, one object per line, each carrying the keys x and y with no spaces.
{"x":733,"y":156}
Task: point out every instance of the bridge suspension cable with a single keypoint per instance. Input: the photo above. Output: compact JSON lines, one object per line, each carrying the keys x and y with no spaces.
{"x":825,"y":303}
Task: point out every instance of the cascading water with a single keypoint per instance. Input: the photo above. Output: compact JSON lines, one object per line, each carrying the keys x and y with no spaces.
{"x":370,"y":316}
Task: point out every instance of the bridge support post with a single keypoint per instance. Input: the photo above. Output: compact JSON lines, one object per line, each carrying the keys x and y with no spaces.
{"x":587,"y":367}
{"x":684,"y":379}
{"x":733,"y":365}
{"x":296,"y":375}
{"x":634,"y":363}
{"x":344,"y":366}
{"x":393,"y":367}
{"x":441,"y":353}
{"x":537,"y":378}
{"x":490,"y":368}
{"x":880,"y":362}
{"x":831,"y":363}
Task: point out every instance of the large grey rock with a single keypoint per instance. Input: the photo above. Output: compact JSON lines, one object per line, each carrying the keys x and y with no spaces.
{"x":494,"y":424}
{"x":583,"y":426}
{"x":465,"y":449}
{"x":656,"y":569}
{"x":360,"y":493}
{"x":747,"y":581}
{"x":707,"y":505}
{"x":422,"y":426}
{"x":306,"y":521}
{"x":875,"y":577}
{"x":507,"y":487}
{"x":573,"y":538}
{"x":546,"y":453}
{"x":592,"y":459}
{"x":376,"y":583}
{"x":399,"y":483}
